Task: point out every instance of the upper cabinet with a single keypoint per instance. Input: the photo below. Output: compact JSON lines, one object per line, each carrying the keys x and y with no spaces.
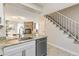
{"x":2,"y":16}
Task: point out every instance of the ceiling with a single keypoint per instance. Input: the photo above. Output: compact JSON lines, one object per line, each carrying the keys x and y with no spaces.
{"x":17,"y":10}
{"x":33,"y":10}
{"x":52,"y":7}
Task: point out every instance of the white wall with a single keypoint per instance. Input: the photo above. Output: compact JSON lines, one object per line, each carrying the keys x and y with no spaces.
{"x":72,"y":12}
{"x":60,"y":40}
{"x":2,"y":30}
{"x":53,"y":7}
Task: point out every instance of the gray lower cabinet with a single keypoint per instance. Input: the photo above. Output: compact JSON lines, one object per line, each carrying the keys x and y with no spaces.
{"x":36,"y":47}
{"x":23,"y":49}
{"x":30,"y":51}
{"x":41,"y":47}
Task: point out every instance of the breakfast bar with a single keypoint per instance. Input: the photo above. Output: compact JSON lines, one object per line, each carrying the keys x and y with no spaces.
{"x":28,"y":47}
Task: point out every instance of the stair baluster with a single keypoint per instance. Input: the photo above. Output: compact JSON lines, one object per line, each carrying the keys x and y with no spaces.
{"x":66,"y":24}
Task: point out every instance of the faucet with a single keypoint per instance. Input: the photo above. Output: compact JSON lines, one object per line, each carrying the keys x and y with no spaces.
{"x":21,"y":31}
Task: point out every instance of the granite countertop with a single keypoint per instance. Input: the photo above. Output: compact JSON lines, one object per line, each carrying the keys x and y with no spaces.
{"x":9,"y":42}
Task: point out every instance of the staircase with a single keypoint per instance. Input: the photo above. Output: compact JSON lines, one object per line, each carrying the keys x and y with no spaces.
{"x":62,"y":33}
{"x":68,"y":25}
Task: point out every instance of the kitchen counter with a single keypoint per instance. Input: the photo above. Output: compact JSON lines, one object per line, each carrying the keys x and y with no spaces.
{"x":9,"y":42}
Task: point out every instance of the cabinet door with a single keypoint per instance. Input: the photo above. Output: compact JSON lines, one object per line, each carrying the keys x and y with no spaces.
{"x":30,"y":50}
{"x":23,"y":49}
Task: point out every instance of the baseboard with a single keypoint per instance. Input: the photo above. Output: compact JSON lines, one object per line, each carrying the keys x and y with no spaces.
{"x":66,"y":50}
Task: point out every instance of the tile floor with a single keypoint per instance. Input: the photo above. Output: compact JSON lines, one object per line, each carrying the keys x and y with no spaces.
{"x":53,"y":51}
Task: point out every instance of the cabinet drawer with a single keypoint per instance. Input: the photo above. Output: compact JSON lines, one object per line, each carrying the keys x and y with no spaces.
{"x":13,"y":53}
{"x":18,"y":47}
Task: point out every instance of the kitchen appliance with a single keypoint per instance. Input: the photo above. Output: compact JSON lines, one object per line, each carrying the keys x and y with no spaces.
{"x":41,"y":47}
